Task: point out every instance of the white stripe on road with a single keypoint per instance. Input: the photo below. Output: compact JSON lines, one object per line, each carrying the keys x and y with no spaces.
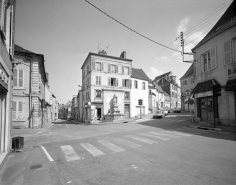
{"x":67,"y":126}
{"x":162,"y":134}
{"x":69,"y":153}
{"x":142,"y":139}
{"x":128,"y":143}
{"x":47,"y":154}
{"x":176,"y":133}
{"x":91,"y":149}
{"x":180,"y":120}
{"x":157,"y":137}
{"x":111,"y":146}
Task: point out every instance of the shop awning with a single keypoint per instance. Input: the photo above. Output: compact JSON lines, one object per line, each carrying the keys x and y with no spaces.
{"x":204,"y":86}
{"x":231,"y":85}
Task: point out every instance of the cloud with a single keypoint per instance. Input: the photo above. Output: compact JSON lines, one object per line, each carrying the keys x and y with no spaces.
{"x":153,"y":72}
{"x":163,"y":58}
{"x":182,"y":26}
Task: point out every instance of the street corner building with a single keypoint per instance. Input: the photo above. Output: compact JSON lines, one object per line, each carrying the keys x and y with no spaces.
{"x":215,"y":68}
{"x":111,"y":88}
{"x":29,"y":79}
{"x":7,"y":30}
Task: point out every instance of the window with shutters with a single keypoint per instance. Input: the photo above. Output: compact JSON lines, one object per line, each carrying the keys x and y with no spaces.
{"x":113,"y":68}
{"x":227,"y":53}
{"x":125,"y":83}
{"x":18,"y":110}
{"x":98,"y":80}
{"x":98,"y":66}
{"x":135,"y":84}
{"x":234,"y":49}
{"x":185,"y":82}
{"x":113,"y":82}
{"x":206,"y":59}
{"x":18,"y":78}
{"x":126,"y":70}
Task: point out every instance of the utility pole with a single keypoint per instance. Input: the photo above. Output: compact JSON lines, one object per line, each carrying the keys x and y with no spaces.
{"x":182,"y":45}
{"x":140,"y":102}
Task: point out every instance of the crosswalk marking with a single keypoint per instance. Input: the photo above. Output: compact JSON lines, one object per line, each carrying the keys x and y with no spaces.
{"x":91,"y":149}
{"x":128,"y":143}
{"x":154,"y":136}
{"x":142,"y":139}
{"x":69,"y":153}
{"x":176,"y":133}
{"x":163,"y":134}
{"x":111,"y":146}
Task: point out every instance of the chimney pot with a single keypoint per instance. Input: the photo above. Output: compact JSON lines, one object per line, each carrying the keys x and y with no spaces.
{"x":123,"y":54}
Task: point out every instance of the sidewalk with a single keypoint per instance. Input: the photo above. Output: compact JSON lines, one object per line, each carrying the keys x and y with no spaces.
{"x":30,"y":131}
{"x":210,"y":126}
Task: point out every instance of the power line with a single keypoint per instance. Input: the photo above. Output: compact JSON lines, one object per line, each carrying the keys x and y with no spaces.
{"x":206,"y":17}
{"x":132,"y":29}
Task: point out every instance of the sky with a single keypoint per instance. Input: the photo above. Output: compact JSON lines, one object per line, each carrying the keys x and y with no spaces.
{"x":65,"y":31}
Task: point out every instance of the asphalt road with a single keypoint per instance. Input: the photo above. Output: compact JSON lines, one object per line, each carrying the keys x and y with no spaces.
{"x":160,"y":151}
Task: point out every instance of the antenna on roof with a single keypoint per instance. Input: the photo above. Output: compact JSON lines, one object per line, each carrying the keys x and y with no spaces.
{"x":102,"y":48}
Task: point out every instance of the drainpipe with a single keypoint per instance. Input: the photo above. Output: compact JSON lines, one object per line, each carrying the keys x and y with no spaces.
{"x":30,"y":88}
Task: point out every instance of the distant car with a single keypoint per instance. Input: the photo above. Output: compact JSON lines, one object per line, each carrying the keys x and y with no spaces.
{"x":70,"y":118}
{"x":159,"y":114}
{"x":177,"y":110}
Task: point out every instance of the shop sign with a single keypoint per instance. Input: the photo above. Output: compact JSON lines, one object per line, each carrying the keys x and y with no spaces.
{"x":231,"y":72}
{"x":203,"y":94}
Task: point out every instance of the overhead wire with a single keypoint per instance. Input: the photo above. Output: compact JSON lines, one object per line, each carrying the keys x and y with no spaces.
{"x":132,"y":29}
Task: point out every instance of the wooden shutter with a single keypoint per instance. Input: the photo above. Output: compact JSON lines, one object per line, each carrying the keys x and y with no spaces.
{"x":100,"y":80}
{"x":130,"y":83}
{"x":116,"y":68}
{"x":15,"y":77}
{"x":130,"y":71}
{"x":213,"y":58}
{"x":109,"y":68}
{"x":227,"y":52}
{"x":21,"y":78}
{"x":117,"y":82}
{"x":101,"y":66}
{"x":198,"y":65}
{"x":123,"y":82}
{"x":123,"y":69}
{"x":109,"y":81}
{"x":20,"y":110}
{"x":14,"y":105}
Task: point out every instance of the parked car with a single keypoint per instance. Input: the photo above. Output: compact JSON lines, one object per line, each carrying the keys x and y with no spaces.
{"x":70,"y":118}
{"x":177,"y":110}
{"x":159,"y":114}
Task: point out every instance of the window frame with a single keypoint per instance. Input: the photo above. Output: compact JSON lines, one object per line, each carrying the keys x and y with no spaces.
{"x":96,"y":94}
{"x":97,"y":64}
{"x":22,"y":117}
{"x":136,"y":84}
{"x":18,"y":79}
{"x":125,"y":94}
{"x":98,"y":80}
{"x":143,"y":85}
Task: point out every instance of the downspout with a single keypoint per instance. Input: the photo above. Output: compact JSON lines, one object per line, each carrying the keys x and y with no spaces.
{"x":30,"y":88}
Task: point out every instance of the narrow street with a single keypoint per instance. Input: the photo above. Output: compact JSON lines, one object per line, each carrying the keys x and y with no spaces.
{"x":160,"y":151}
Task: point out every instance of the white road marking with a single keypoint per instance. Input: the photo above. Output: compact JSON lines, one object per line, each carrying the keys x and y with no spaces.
{"x":47,"y":154}
{"x":111,"y":146}
{"x":142,"y":139}
{"x":128,"y":143}
{"x":162,"y":134}
{"x":45,"y":128}
{"x":157,"y":137}
{"x":67,"y":126}
{"x":91,"y":149}
{"x":176,"y":133}
{"x":180,"y":120}
{"x":69,"y":152}
{"x":172,"y":120}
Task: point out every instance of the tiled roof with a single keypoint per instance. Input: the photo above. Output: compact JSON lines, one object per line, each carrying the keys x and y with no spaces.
{"x":227,"y":20}
{"x":22,"y":50}
{"x":189,"y":72}
{"x":139,"y":74}
{"x":163,"y":75}
{"x":159,"y":89}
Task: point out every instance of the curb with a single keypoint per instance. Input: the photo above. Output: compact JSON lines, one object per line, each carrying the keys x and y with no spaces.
{"x":206,"y":128}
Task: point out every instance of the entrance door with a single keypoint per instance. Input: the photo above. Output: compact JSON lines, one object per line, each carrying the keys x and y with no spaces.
{"x":127,"y":111}
{"x":99,"y":113}
{"x":207,"y":112}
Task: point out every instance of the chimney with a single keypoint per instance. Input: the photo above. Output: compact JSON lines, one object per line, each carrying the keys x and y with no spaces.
{"x":47,"y":76}
{"x":123,"y":54}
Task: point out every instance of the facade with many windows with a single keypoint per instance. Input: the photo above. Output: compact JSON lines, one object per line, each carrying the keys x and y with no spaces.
{"x":215,"y":65}
{"x":103,"y":77}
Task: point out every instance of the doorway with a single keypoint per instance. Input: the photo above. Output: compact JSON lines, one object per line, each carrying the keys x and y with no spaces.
{"x":98,"y":113}
{"x":127,"y":111}
{"x":207,"y":112}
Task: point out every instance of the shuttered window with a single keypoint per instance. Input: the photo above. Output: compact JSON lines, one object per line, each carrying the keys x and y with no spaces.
{"x":18,"y":78}
{"x":18,"y":110}
{"x":227,"y":52}
{"x":213,"y":58}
